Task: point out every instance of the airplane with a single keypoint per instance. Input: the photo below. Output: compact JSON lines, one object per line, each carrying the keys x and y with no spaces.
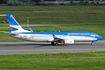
{"x":55,"y":38}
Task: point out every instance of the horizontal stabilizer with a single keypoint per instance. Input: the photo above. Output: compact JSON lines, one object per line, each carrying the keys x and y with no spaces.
{"x":7,"y":32}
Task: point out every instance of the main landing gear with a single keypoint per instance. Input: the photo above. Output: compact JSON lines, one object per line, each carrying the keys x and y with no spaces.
{"x":54,"y":43}
{"x":58,"y":42}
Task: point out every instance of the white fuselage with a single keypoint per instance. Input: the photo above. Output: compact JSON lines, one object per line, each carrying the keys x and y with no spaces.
{"x":49,"y":38}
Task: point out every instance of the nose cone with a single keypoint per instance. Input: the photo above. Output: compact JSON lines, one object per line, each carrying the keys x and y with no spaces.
{"x":99,"y":37}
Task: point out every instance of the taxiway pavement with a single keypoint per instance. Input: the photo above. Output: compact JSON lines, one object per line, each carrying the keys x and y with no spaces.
{"x":42,"y":47}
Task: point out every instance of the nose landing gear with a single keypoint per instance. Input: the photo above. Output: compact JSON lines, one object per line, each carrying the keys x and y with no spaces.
{"x":91,"y":42}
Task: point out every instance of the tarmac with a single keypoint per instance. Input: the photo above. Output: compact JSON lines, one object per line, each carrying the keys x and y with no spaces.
{"x":43,"y":47}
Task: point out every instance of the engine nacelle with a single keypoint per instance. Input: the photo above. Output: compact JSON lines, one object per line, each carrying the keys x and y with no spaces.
{"x":69,"y":41}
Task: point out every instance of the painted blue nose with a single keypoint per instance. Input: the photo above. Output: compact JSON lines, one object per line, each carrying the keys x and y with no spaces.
{"x":99,"y":37}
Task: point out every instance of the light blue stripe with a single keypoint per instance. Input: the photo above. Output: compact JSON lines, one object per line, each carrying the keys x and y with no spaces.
{"x":61,"y":33}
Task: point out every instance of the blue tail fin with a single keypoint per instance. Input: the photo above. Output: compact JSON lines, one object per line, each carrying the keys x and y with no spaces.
{"x":12,"y":20}
{"x":14,"y":25}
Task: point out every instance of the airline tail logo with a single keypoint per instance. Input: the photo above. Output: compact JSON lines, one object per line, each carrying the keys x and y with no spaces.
{"x":14,"y":25}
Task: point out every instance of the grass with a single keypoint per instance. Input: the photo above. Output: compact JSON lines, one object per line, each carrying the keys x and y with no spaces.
{"x":56,"y":14}
{"x":65,"y":18}
{"x":61,"y":61}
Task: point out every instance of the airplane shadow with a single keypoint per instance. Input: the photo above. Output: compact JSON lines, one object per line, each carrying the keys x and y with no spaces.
{"x":19,"y":45}
{"x":38,"y":45}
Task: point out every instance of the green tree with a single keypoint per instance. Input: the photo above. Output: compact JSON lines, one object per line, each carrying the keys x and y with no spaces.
{"x":36,"y":1}
{"x":3,"y":1}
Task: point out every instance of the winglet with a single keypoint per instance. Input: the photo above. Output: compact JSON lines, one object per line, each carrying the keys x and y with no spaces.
{"x":31,"y":29}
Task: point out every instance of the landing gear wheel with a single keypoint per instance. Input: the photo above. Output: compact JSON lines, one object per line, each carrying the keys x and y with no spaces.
{"x":91,"y":42}
{"x":54,"y":43}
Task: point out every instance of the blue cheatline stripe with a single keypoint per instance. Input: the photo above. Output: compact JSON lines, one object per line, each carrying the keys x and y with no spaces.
{"x":13,"y":29}
{"x":11,"y":20}
{"x":61,"y":33}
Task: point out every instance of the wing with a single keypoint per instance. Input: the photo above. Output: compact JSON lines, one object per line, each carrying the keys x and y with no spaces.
{"x":56,"y":38}
{"x":64,"y":40}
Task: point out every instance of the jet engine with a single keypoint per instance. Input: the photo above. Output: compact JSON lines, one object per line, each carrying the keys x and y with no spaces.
{"x":69,"y":41}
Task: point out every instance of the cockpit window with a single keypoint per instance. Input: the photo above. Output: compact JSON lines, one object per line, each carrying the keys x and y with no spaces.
{"x":94,"y":34}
